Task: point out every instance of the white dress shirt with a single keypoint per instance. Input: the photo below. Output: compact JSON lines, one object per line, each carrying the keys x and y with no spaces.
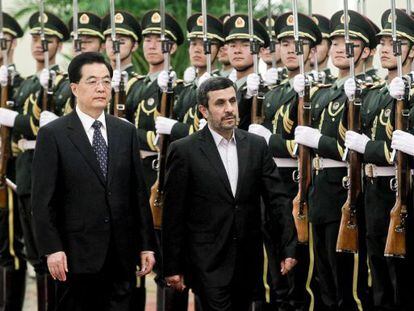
{"x":87,"y":122}
{"x":228,"y":154}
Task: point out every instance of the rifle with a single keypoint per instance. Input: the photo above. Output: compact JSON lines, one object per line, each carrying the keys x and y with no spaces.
{"x":257,"y":114}
{"x":303,"y":174}
{"x":269,"y":24}
{"x":167,"y":100}
{"x":47,"y":94}
{"x":120,"y":94}
{"x":347,"y":240}
{"x":396,"y":245}
{"x":77,"y":43}
{"x":232,"y":8}
{"x":5,"y":147}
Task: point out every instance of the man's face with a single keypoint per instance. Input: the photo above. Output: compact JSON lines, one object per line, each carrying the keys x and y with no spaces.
{"x":388,"y":60}
{"x":288,"y":55}
{"x":222,"y":111}
{"x":266,"y":56}
{"x":54,"y":45}
{"x":10,"y":41}
{"x":322,"y":51}
{"x":223,"y":56}
{"x":93,"y":92}
{"x":239,"y":54}
{"x":152,"y":49}
{"x":90,"y":44}
{"x":338,"y":54}
{"x":196,"y":50}
{"x":127,"y":47}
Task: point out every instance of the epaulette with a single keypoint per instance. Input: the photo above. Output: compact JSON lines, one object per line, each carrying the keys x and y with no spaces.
{"x":136,"y":77}
{"x":375,"y":85}
{"x":179,"y":81}
{"x":323,"y":85}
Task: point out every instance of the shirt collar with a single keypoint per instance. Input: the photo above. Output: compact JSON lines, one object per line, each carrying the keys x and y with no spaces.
{"x":241,"y":82}
{"x":218,"y":138}
{"x":87,"y":120}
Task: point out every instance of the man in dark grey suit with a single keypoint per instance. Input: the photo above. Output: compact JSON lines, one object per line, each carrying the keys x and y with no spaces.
{"x":215,"y":180}
{"x":90,"y":207}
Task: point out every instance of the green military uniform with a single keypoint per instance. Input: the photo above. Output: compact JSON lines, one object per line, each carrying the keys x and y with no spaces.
{"x":12,"y":259}
{"x":290,"y":290}
{"x":236,"y":28}
{"x":185,"y":108}
{"x":342,"y":277}
{"x":24,"y":134}
{"x":390,"y":276}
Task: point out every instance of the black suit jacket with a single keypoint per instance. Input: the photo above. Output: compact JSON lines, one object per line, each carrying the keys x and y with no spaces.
{"x":75,"y":209}
{"x":206,"y":230}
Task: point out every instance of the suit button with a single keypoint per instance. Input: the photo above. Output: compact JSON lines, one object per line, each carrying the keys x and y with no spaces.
{"x":109,"y":193}
{"x":106,"y":220}
{"x":236,"y":207}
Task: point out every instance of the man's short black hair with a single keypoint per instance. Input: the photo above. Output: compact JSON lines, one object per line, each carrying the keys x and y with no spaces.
{"x":212,"y":84}
{"x":75,"y":66}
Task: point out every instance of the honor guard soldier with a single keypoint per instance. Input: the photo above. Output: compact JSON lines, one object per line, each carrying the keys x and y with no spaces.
{"x":186,"y":118}
{"x":12,"y":259}
{"x":222,"y":56}
{"x":90,"y":40}
{"x":247,"y":82}
{"x":144,"y":96}
{"x":286,"y":291}
{"x":341,"y":277}
{"x":322,"y":51}
{"x":390,"y":276}
{"x":24,"y":121}
{"x":273,"y":75}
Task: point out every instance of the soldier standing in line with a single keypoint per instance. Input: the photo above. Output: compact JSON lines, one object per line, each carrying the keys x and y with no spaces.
{"x":223,"y":56}
{"x":12,"y":259}
{"x":287,"y":292}
{"x":24,"y":121}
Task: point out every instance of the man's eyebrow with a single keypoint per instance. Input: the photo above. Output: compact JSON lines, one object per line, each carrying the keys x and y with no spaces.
{"x":95,"y":77}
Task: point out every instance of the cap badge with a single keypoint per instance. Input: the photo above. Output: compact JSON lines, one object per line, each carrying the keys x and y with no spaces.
{"x":343,"y":19}
{"x":240,"y":23}
{"x":156,"y":18}
{"x":290,"y":20}
{"x":84,"y":19}
{"x":45,"y":18}
{"x":119,"y":18}
{"x":200,"y":21}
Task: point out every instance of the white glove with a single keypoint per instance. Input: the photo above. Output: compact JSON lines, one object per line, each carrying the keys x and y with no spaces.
{"x":355,"y":141}
{"x":204,"y":77}
{"x":308,"y":136}
{"x":233,"y":75}
{"x":189,"y":75}
{"x":396,"y":88}
{"x":164,"y":125}
{"x":4,"y":75}
{"x":271,"y":76}
{"x":350,"y":88}
{"x":261,"y":131}
{"x":253,"y":82}
{"x":7,"y":117}
{"x":202,"y":124}
{"x":44,"y":77}
{"x":299,"y":83}
{"x":403,"y":141}
{"x":46,"y":117}
{"x":117,"y":76}
{"x":164,"y":78}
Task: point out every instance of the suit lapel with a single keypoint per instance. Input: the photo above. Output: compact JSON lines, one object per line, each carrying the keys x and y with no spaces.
{"x":80,"y":140}
{"x":209,"y":148}
{"x":242,"y":155}
{"x":112,"y":132}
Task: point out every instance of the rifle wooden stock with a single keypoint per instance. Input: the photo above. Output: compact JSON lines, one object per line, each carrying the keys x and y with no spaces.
{"x":119,"y":101}
{"x":47,"y":98}
{"x":395,"y":245}
{"x":347,"y":240}
{"x":157,"y":190}
{"x":5,"y":150}
{"x":300,"y":202}
{"x":257,"y":113}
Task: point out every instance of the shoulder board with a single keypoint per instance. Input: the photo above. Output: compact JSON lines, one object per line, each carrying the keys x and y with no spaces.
{"x":323,"y":85}
{"x":375,"y":85}
{"x":179,"y":81}
{"x":284,"y":81}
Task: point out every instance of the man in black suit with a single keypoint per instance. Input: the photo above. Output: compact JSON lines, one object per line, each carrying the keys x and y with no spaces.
{"x":90,"y":208}
{"x":212,"y":221}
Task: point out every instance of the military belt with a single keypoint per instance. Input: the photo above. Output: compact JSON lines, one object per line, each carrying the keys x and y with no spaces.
{"x":320,"y":163}
{"x":145,"y":153}
{"x":25,"y":144}
{"x":373,"y":171}
{"x":285,"y":162}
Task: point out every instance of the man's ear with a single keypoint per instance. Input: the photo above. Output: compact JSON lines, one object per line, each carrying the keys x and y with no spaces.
{"x":204,"y":111}
{"x":74,"y":88}
{"x":173,"y":48}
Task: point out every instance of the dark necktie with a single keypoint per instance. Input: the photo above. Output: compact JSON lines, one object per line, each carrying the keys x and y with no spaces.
{"x":99,"y":147}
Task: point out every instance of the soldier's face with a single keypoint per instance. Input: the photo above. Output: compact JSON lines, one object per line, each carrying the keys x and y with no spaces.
{"x":388,"y":60}
{"x":239,"y":54}
{"x":152,"y":49}
{"x":288,"y":55}
{"x":222,"y":111}
{"x":197,"y":57}
{"x":338,"y":53}
{"x":322,"y":52}
{"x":127,"y":47}
{"x":10,"y":42}
{"x":90,"y":44}
{"x":266,"y":56}
{"x":54,"y":45}
{"x":223,"y":56}
{"x":93,"y":92}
